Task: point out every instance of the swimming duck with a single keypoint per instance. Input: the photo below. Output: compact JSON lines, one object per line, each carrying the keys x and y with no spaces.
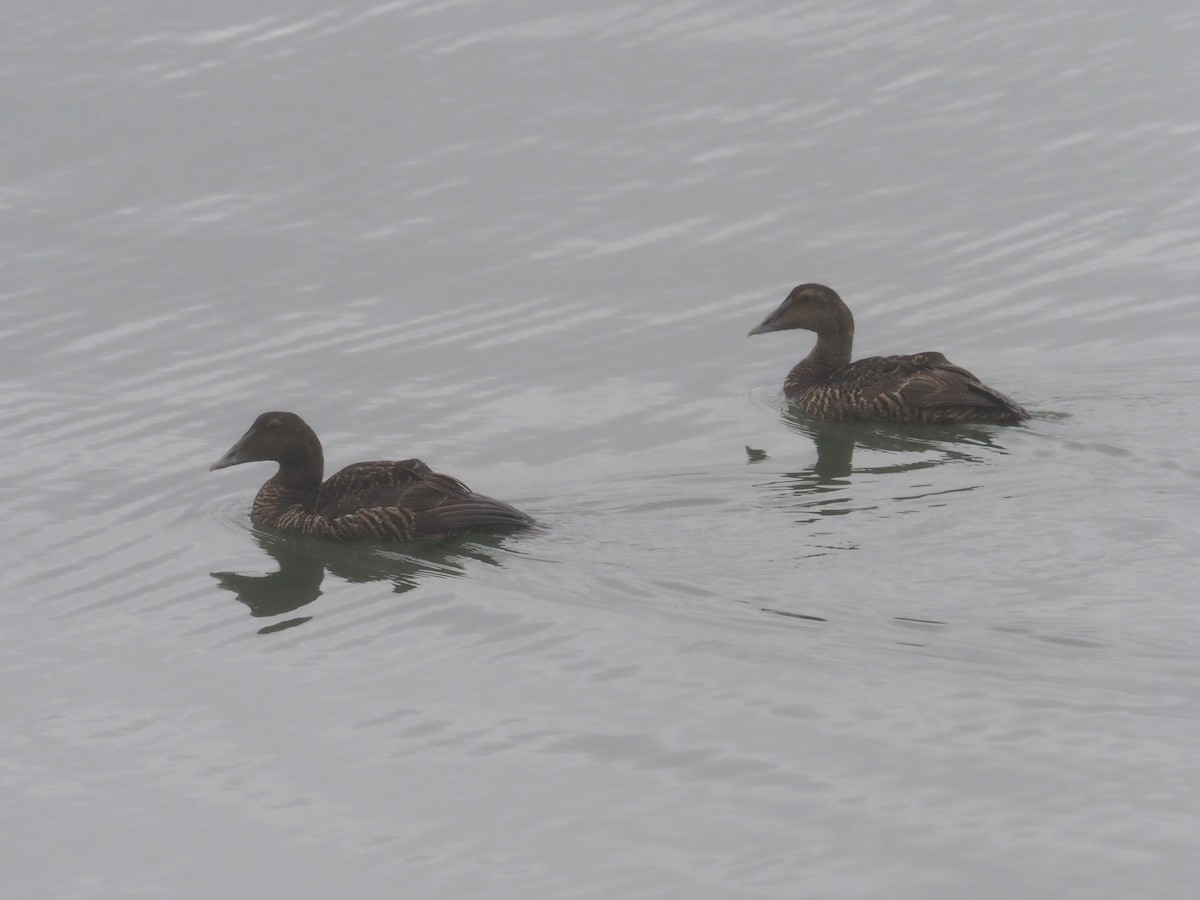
{"x":369,"y":501}
{"x":924,"y":387}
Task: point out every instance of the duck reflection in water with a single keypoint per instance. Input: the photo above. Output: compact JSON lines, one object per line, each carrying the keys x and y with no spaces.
{"x":827,"y":487}
{"x":911,"y":448}
{"x":303,"y":563}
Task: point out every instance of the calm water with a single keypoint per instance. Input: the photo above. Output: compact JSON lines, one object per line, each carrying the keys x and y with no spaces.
{"x":750,"y":656}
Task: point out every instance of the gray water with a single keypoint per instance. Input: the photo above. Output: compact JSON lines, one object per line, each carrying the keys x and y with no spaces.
{"x":748,"y":656}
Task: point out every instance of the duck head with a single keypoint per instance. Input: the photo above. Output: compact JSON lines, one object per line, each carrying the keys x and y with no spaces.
{"x":813,"y":307}
{"x":281,"y":437}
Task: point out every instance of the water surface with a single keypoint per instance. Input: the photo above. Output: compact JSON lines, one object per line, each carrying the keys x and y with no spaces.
{"x":750,"y":655}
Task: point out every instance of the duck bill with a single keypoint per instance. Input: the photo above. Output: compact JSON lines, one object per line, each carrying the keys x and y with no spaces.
{"x":761,"y":328}
{"x":770,"y":323}
{"x":235,"y":455}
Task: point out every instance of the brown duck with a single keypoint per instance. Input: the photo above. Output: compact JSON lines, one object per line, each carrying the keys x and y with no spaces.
{"x":366,"y":501}
{"x":924,"y":387}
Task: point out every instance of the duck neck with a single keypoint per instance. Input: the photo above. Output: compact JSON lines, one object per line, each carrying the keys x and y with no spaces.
{"x":289,"y":491}
{"x":833,"y":349}
{"x":300,"y":477}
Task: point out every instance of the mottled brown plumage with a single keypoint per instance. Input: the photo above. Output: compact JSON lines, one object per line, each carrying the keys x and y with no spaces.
{"x":924,"y":387}
{"x":367,"y":501}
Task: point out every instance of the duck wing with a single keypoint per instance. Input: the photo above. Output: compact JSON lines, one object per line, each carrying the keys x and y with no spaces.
{"x":411,"y":500}
{"x":443,"y":514}
{"x":363,"y":484}
{"x":921,"y":382}
{"x":936,"y":382}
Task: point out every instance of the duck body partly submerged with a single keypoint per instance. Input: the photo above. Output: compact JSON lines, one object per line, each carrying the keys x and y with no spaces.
{"x":923,"y":387}
{"x":384,"y":501}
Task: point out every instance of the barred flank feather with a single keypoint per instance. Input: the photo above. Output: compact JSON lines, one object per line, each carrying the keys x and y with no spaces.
{"x":384,"y":501}
{"x":899,"y":389}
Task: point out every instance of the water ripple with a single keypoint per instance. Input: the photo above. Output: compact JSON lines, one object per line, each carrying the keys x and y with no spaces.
{"x":526,"y":245}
